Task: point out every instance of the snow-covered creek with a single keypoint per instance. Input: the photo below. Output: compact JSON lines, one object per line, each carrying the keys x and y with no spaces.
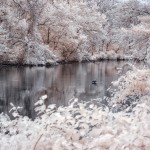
{"x":23,"y":85}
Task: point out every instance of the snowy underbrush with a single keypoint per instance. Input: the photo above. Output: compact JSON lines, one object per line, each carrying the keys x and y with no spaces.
{"x":131,"y":88}
{"x":84,"y":126}
{"x":107,"y":55}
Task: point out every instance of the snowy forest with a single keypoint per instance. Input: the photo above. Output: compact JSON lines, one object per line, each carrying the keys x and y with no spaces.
{"x":50,"y":31}
{"x":56,"y":32}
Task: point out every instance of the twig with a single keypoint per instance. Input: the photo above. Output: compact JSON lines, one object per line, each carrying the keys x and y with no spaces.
{"x":37,"y":141}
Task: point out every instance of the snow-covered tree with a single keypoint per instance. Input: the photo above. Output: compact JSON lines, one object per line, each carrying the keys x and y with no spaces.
{"x":72,"y":30}
{"x":47,"y":31}
{"x":20,"y":19}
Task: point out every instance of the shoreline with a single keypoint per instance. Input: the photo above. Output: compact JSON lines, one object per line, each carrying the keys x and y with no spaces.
{"x":63,"y":62}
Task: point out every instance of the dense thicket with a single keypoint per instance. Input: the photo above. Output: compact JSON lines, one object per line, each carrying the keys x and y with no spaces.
{"x":47,"y":31}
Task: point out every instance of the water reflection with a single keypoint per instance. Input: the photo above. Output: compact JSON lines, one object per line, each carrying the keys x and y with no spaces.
{"x":23,"y":86}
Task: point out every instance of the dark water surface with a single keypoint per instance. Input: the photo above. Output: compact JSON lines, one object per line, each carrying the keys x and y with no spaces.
{"x":23,"y":85}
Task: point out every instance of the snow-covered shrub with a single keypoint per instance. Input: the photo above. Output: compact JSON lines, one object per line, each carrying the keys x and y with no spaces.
{"x":84,"y":125}
{"x":131,"y":88}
